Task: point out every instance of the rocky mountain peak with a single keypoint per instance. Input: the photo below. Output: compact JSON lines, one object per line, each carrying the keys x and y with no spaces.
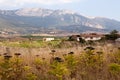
{"x":39,"y":12}
{"x":30,"y":19}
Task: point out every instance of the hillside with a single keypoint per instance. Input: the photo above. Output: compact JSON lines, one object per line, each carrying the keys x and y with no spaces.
{"x":34,"y":20}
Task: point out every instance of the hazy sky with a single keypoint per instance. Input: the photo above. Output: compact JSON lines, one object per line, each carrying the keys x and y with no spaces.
{"x":101,"y":8}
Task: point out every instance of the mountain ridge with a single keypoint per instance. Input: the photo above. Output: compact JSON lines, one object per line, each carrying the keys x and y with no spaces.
{"x":38,"y":19}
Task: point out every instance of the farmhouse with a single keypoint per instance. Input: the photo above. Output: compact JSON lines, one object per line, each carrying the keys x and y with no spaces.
{"x":92,"y":36}
{"x":48,"y":39}
{"x":87,"y":37}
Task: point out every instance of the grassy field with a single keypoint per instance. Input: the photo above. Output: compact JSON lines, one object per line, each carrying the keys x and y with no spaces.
{"x":58,"y":60}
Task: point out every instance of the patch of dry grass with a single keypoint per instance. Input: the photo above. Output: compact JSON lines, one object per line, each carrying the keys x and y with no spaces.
{"x":73,"y":63}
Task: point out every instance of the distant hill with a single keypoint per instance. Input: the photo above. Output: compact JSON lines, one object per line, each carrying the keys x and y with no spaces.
{"x":32,"y":20}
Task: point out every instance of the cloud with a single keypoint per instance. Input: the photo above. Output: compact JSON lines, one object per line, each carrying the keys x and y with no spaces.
{"x":44,"y":2}
{"x":27,"y":3}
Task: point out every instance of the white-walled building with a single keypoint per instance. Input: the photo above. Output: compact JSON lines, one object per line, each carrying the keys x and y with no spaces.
{"x":48,"y":39}
{"x":87,"y":37}
{"x":91,"y":36}
{"x":117,"y":40}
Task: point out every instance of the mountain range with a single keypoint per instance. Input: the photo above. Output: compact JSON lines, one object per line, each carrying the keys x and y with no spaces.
{"x":38,"y":20}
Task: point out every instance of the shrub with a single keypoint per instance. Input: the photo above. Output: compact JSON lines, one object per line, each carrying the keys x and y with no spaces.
{"x":114,"y":68}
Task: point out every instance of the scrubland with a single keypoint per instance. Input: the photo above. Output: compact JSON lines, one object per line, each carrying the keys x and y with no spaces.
{"x":56,"y":60}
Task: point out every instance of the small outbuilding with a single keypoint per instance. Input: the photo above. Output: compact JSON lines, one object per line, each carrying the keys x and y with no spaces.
{"x":48,"y":39}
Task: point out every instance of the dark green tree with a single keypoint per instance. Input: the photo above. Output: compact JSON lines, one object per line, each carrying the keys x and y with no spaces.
{"x":112,"y":36}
